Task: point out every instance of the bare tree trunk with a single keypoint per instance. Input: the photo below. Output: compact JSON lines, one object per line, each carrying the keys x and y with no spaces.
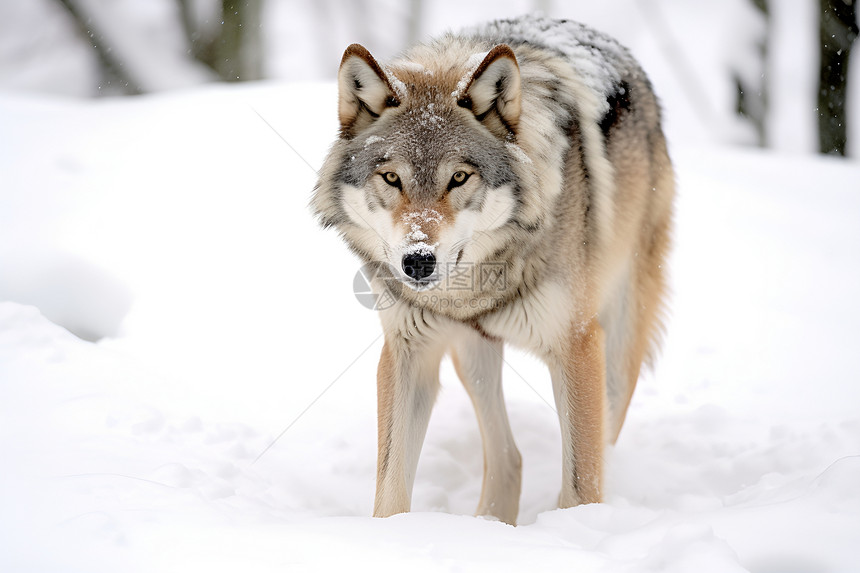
{"x":235,"y":50}
{"x":543,"y":6}
{"x":414,"y":23}
{"x":189,"y":24}
{"x":837,"y":31}
{"x":113,"y":71}
{"x":752,"y":100}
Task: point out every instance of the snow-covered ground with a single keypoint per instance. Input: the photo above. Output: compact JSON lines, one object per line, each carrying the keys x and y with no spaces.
{"x":177,"y":226}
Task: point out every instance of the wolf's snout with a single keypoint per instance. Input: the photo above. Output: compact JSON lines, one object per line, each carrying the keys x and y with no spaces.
{"x":419,"y":266}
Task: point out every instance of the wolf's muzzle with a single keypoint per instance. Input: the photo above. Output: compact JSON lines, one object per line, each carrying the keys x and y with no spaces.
{"x":419,"y":266}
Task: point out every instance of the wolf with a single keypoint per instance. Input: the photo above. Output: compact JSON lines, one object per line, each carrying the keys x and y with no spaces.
{"x":513,"y":182}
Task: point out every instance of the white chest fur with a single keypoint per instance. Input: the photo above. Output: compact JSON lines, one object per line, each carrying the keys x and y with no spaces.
{"x":537,"y":321}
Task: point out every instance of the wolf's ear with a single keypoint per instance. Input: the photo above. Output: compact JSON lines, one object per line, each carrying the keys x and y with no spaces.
{"x":494,"y":85}
{"x":364,"y":90}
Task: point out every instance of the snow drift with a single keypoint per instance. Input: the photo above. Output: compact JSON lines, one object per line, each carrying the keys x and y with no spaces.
{"x":227,"y":320}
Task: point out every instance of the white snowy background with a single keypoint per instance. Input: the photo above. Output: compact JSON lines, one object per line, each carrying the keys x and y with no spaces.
{"x":173,"y":229}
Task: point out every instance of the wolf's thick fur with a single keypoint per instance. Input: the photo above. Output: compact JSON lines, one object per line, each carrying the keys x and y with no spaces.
{"x":515,"y":181}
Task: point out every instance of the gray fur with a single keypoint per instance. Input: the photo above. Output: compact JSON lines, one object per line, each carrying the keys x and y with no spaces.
{"x":424,"y":135}
{"x":569,"y":193}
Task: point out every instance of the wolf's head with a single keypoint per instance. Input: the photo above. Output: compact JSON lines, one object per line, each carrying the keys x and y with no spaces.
{"x":426,"y":173}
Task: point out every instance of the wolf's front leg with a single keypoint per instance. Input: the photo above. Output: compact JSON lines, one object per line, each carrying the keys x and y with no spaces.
{"x":407,"y":383}
{"x":478,"y":361}
{"x":578,"y":381}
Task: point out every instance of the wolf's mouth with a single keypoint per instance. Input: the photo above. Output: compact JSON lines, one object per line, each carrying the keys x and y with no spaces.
{"x":422,"y":285}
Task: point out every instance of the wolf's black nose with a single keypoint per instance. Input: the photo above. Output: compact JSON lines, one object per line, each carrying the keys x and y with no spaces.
{"x":419,"y":266}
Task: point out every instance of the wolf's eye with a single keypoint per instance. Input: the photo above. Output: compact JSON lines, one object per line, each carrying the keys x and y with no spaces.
{"x":458,"y":179}
{"x":392,"y":178}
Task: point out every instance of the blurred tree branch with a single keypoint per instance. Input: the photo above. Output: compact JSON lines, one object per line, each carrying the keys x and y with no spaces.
{"x":112,"y":68}
{"x":685,"y":69}
{"x":837,"y":32}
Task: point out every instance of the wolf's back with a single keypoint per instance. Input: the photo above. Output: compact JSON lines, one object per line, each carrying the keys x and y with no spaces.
{"x":597,"y":60}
